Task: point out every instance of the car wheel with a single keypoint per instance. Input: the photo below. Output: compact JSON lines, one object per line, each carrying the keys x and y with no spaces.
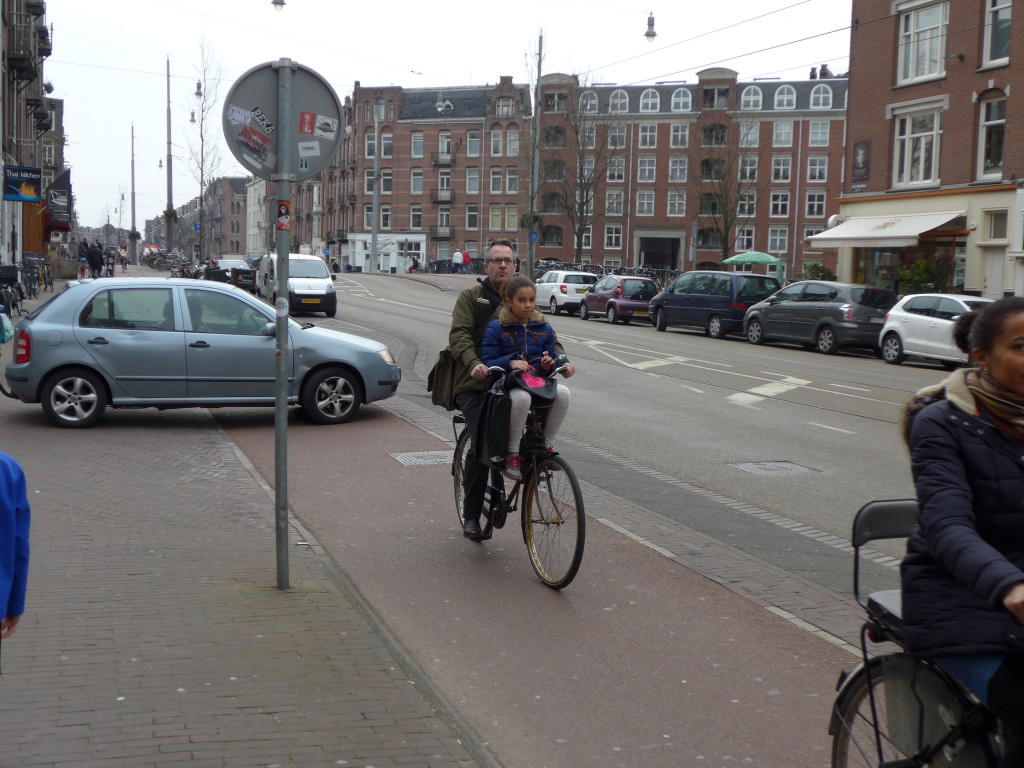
{"x":331,"y":312}
{"x":755,"y":333}
{"x":613,"y":318}
{"x":892,"y":349}
{"x":716,"y":329}
{"x":827,"y":340}
{"x":659,"y":320}
{"x":74,"y":398}
{"x":583,"y":312}
{"x":331,"y":396}
{"x":553,"y":306}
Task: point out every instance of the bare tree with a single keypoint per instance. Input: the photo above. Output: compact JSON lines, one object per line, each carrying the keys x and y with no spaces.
{"x":726,"y":180}
{"x":578,"y":150}
{"x":203,"y":142}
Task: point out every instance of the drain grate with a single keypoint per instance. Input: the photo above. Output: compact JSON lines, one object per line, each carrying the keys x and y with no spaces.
{"x":423,"y":458}
{"x":773,"y":468}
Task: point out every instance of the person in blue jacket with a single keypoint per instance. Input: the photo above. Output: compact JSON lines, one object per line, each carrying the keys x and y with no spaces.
{"x":14,"y":524}
{"x":963,"y":574}
{"x":519,"y":335}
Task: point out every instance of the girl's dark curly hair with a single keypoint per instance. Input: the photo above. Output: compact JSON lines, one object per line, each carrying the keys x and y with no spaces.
{"x":978,"y":329}
{"x":512,"y":286}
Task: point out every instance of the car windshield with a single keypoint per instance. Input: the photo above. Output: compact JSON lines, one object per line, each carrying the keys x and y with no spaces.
{"x":876,"y":298}
{"x":757,"y":288}
{"x":304,"y":268}
{"x":580,"y":279}
{"x":639,"y":290}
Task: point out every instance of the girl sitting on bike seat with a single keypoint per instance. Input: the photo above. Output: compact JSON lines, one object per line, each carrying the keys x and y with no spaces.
{"x":519,"y":335}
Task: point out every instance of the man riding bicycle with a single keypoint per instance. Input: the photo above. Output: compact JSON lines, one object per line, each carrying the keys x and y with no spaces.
{"x":474,"y":310}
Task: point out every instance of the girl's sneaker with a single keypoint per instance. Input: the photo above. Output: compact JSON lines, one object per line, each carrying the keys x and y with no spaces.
{"x":514,"y":468}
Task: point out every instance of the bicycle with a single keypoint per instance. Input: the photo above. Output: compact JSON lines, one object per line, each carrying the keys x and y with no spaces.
{"x":895,"y":710}
{"x":47,"y":276}
{"x":30,"y":278}
{"x":548,"y":498}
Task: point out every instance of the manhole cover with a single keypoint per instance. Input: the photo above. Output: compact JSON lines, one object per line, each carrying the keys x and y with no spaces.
{"x":773,"y":468}
{"x":422,"y":458}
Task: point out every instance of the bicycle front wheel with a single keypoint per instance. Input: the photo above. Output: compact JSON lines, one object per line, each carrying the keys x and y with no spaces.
{"x":913,"y":707}
{"x":554,"y":524}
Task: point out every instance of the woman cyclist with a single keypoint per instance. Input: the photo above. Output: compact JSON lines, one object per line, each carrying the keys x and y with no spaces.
{"x":963,"y":574}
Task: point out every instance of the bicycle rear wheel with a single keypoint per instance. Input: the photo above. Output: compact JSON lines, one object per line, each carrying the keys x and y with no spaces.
{"x":913,"y":705}
{"x":459,"y":458}
{"x":554,"y":524}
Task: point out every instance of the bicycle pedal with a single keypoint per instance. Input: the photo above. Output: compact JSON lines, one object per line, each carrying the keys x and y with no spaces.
{"x":500,"y":516}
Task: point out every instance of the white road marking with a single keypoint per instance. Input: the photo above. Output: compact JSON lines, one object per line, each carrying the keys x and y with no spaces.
{"x":834,"y":429}
{"x":844,"y":386}
{"x":692,"y":389}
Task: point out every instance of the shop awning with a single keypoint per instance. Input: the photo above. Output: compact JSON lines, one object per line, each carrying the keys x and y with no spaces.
{"x":881,"y":231}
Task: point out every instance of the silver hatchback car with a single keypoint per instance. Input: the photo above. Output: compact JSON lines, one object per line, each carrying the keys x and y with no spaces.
{"x":141,"y":342}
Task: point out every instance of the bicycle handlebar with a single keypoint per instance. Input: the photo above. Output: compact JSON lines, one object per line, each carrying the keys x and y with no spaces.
{"x":561,"y":363}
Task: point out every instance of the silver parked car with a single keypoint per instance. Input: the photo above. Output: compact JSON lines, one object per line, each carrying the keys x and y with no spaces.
{"x":921,"y":325}
{"x":141,"y":342}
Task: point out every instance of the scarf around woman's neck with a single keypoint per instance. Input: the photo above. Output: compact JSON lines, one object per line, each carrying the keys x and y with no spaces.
{"x":1005,"y":408}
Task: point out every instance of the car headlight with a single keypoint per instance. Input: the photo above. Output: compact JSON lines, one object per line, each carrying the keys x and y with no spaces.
{"x":330,"y":288}
{"x":386,"y":356}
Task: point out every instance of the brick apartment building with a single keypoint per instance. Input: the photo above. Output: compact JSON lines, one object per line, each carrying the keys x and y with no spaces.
{"x":451,"y":165}
{"x":676,"y":176}
{"x":933,"y":173}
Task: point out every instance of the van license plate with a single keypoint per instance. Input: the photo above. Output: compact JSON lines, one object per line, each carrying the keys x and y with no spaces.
{"x":640,"y":313}
{"x":311,"y":301}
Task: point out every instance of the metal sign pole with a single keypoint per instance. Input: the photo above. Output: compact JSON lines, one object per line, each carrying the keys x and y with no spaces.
{"x":283,"y":179}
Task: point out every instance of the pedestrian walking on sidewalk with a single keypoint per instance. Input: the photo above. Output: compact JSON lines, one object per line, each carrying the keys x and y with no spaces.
{"x":14,"y":524}
{"x":96,"y":259}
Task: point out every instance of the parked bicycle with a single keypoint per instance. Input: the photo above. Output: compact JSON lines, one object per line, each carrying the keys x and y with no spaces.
{"x":548,"y":499}
{"x":895,"y":710}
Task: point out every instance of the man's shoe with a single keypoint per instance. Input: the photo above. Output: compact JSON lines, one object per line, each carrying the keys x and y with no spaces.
{"x":471,"y":528}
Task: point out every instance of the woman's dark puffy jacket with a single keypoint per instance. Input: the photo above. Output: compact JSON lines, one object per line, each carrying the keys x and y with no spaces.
{"x":970,"y":543}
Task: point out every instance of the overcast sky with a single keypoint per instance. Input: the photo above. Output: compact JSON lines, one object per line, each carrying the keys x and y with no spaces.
{"x":110,"y":57}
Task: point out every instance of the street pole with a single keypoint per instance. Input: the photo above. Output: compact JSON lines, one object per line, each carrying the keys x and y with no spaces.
{"x":133,"y":251}
{"x":376,"y":185}
{"x":169,"y":213}
{"x":534,"y":164}
{"x":283,"y":179}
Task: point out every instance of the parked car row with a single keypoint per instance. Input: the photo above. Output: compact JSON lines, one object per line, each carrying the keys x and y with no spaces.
{"x":822,"y":315}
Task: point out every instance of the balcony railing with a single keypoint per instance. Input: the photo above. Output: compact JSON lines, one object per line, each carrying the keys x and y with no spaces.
{"x":441,"y":196}
{"x":442,"y":158}
{"x":441,"y":233}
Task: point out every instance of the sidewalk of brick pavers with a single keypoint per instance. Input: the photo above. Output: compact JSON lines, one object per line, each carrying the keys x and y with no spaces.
{"x":155,"y":634}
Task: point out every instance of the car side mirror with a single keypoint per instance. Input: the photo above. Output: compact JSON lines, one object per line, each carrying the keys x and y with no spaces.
{"x":270,"y":329}
{"x":590,"y":289}
{"x":334,"y":278}
{"x":771,"y":300}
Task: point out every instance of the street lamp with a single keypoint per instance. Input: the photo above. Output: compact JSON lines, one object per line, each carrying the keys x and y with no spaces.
{"x":202,"y":162}
{"x":169,"y":213}
{"x":378,"y":108}
{"x":650,"y":34}
{"x":278,"y":4}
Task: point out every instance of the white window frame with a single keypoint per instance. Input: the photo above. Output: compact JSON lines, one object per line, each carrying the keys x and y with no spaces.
{"x":782,"y":168}
{"x":511,"y":217}
{"x":678,"y":167}
{"x":744,"y":239}
{"x":497,"y":181}
{"x":676,"y":203}
{"x":748,"y":166}
{"x":918,"y":44}
{"x":650,"y":101}
{"x":904,"y":150}
{"x":618,"y":102}
{"x":785,"y":97}
{"x":821,"y":96}
{"x":647,"y":136}
{"x":997,"y":13}
{"x":817,"y":133}
{"x":512,"y":181}
{"x":779,"y":204}
{"x":416,"y":144}
{"x":815,"y":205}
{"x":646,"y":169}
{"x":817,"y":168}
{"x":986,"y":129}
{"x":614,"y":202}
{"x":680,"y":136}
{"x":472,"y":181}
{"x":616,"y":137}
{"x":414,"y":175}
{"x":512,"y":142}
{"x":616,"y":171}
{"x":613,"y":236}
{"x":415,"y":217}
{"x":746,"y":204}
{"x":497,"y":143}
{"x":782,"y":133}
{"x":750,"y":134}
{"x":588,"y":103}
{"x":751,"y":98}
{"x":494,"y":217}
{"x":682,"y":100}
{"x":645,"y":203}
{"x":778,"y":239}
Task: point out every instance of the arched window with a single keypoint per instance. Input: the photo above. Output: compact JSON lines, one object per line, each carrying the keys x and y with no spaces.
{"x":588,"y":102}
{"x":650,"y":101}
{"x":378,"y":109}
{"x":750,"y":98}
{"x":681,"y":100}
{"x":785,"y":97}
{"x":821,"y":97}
{"x":619,"y":101}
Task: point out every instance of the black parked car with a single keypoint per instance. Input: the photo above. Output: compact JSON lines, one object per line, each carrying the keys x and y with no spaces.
{"x":712,"y":300}
{"x":821,"y":315}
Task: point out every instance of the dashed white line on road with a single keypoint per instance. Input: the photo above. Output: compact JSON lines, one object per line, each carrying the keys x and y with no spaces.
{"x":834,"y":429}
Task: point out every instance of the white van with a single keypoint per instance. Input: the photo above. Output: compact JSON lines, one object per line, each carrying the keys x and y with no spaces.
{"x":310,"y":284}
